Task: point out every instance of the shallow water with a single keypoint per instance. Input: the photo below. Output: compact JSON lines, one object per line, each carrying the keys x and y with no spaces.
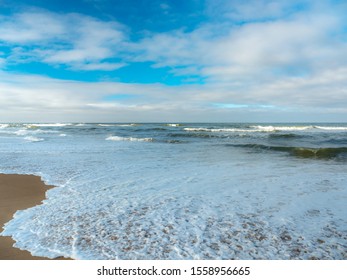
{"x":182,"y":191}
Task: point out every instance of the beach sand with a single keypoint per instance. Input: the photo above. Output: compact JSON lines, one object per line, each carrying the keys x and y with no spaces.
{"x":18,"y":192}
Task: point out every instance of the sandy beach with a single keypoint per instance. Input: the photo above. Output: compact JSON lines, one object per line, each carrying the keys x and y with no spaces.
{"x":18,"y":192}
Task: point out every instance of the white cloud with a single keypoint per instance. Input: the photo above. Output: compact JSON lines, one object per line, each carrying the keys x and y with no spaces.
{"x":66,"y":39}
{"x":30,"y":27}
{"x":297,"y":63}
{"x":250,"y":51}
{"x":24,"y":97}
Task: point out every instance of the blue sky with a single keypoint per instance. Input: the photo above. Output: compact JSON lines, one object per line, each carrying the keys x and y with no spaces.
{"x":161,"y":60}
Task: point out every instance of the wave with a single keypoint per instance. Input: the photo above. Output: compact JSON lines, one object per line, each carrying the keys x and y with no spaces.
{"x":171,"y":141}
{"x":270,"y":128}
{"x":202,"y":129}
{"x":174,"y":124}
{"x":285,"y":135}
{"x":302,"y":152}
{"x":194,"y":135}
{"x":34,"y":125}
{"x":121,"y":125}
{"x":4,"y":125}
{"x":133,"y":139}
{"x":33,"y":139}
{"x":255,"y":128}
{"x":296,"y":128}
{"x":331,"y":127}
{"x":21,"y":132}
{"x":150,"y":129}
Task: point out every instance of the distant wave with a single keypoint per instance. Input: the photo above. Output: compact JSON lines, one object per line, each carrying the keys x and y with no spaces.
{"x":331,"y":127}
{"x":33,"y":125}
{"x":118,"y":138}
{"x":256,"y":128}
{"x":302,"y":152}
{"x":33,"y":139}
{"x":21,"y":132}
{"x":175,"y":141}
{"x":194,"y":135}
{"x":202,"y":129}
{"x":284,"y":135}
{"x":125,"y":125}
{"x":174,"y":124}
{"x":270,"y":128}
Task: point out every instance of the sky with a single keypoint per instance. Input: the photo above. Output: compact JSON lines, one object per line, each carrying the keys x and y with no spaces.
{"x":173,"y":61}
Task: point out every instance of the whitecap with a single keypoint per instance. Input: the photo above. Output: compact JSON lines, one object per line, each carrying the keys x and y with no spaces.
{"x":173,"y":124}
{"x":331,"y":127}
{"x":3,"y":125}
{"x":118,"y":138}
{"x":21,"y":132}
{"x":271,"y":128}
{"x":219,"y":129}
{"x":33,"y":139}
{"x":48,"y":124}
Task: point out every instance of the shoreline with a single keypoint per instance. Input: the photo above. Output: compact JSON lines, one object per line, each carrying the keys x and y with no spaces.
{"x":18,"y":192}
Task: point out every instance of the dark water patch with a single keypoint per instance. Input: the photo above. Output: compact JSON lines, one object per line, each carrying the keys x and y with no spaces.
{"x":284,"y":136}
{"x":335,"y":141}
{"x":176,"y":141}
{"x":194,"y":135}
{"x":301,"y":152}
{"x":150,"y":129}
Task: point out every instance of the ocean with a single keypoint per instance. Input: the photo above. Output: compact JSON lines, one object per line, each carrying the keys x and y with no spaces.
{"x":181,"y":191}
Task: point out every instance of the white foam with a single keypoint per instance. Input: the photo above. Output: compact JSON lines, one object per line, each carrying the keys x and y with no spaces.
{"x":271,"y":128}
{"x":62,"y":135}
{"x":21,"y":132}
{"x":132,"y":124}
{"x":48,"y":124}
{"x":124,"y":125}
{"x":173,"y":124}
{"x":220,"y":129}
{"x":3,"y":126}
{"x":33,"y":139}
{"x":118,"y":138}
{"x":121,"y":203}
{"x":331,"y":127}
{"x":255,"y":128}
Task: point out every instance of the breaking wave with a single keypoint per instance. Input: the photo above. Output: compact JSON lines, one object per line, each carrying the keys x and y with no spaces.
{"x":33,"y":139}
{"x":133,"y":139}
{"x":302,"y":152}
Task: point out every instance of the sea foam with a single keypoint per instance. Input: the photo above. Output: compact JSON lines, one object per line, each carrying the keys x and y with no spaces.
{"x":220,"y":195}
{"x":134,"y":139}
{"x":33,"y":139}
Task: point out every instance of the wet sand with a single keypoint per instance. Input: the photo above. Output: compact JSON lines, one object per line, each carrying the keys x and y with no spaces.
{"x":18,"y":192}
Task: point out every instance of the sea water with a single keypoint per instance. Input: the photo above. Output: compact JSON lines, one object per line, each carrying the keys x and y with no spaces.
{"x":181,"y":191}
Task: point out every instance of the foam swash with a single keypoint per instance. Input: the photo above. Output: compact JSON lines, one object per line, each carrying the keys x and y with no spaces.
{"x":181,"y":191}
